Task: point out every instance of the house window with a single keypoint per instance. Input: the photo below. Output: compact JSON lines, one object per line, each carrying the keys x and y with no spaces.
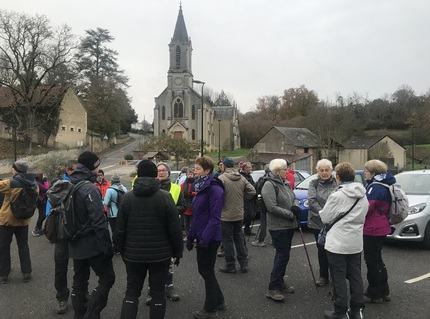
{"x":193,"y":134}
{"x":163,"y":112}
{"x":72,"y":129}
{"x":63,"y":128}
{"x":163,"y":132}
{"x":178,"y":109}
{"x":306,"y":150}
{"x":79,"y":130}
{"x":178,"y":57}
{"x":193,"y":112}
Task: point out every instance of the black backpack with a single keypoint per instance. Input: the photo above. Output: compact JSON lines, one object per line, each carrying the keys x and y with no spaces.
{"x":119,"y":196}
{"x":258,"y":187}
{"x":25,"y":204}
{"x":61,"y":223}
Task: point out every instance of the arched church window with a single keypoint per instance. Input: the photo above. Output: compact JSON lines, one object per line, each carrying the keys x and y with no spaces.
{"x":193,"y":134}
{"x":163,"y":112}
{"x":193,"y":112}
{"x":178,"y":57}
{"x":178,"y":108}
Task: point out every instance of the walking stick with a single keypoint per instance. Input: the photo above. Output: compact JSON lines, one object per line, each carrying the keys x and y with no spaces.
{"x":307,"y":254}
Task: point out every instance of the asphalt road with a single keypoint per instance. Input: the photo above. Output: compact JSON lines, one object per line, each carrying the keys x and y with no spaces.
{"x":244,"y":292}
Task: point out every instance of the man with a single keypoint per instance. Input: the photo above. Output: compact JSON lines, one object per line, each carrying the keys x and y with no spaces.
{"x":93,"y":249}
{"x":10,"y":226}
{"x":163,"y":175}
{"x":102,"y":184}
{"x":237,"y":189}
{"x":248,"y":205}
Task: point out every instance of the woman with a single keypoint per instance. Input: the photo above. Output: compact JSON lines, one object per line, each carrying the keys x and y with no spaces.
{"x":344,"y":242}
{"x":376,"y":227}
{"x":148,"y":235}
{"x":318,"y":192}
{"x":282,"y":213}
{"x":206,"y":232}
{"x":41,"y":204}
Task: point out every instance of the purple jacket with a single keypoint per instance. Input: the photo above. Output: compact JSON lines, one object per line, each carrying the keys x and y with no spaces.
{"x":379,"y":197}
{"x":207,"y":206}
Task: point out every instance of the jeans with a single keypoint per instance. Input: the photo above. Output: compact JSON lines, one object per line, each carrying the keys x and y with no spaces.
{"x":206,"y":258}
{"x":322,"y":255}
{"x":102,"y":266}
{"x":377,"y":275}
{"x":21,"y":235}
{"x":136,"y":274}
{"x":232,"y":236}
{"x":342,"y":268}
{"x":41,"y":208}
{"x":281,"y":240}
{"x":263,"y":225}
{"x":61,"y":259}
{"x":248,"y":209}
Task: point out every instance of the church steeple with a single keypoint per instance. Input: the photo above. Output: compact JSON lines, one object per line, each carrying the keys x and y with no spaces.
{"x":180,"y":33}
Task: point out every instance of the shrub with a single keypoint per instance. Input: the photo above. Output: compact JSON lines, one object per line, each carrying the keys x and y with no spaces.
{"x":128,"y":157}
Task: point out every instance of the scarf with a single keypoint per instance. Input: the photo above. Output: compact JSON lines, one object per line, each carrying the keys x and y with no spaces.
{"x":199,"y":181}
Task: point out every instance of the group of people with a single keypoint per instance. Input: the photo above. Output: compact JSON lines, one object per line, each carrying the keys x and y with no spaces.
{"x":148,"y":232}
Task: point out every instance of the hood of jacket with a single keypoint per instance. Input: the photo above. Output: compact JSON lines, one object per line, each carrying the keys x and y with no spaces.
{"x":352,"y":190}
{"x":145,"y":186}
{"x":82,"y":173}
{"x":386,"y":178}
{"x":23,"y":180}
{"x":232,"y":174}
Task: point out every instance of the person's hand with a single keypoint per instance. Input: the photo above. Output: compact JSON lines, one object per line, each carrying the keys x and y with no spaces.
{"x":177,"y":259}
{"x":190,"y":245}
{"x":296,"y":211}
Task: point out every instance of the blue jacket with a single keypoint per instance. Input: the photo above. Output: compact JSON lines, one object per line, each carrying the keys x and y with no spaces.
{"x":207,"y":207}
{"x":111,"y":199}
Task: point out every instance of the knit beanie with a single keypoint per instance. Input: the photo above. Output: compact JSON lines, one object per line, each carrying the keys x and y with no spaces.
{"x":228,"y":162}
{"x":89,"y":160}
{"x":166,"y":165}
{"x":115,"y":179}
{"x":20,"y":166}
{"x":147,"y":168}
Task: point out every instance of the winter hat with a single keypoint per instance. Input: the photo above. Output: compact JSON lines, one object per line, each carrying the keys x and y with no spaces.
{"x":20,"y":166}
{"x":228,"y":162}
{"x":266,"y":168}
{"x":147,"y":168}
{"x":89,"y":160}
{"x":166,"y":165}
{"x":115,"y":179}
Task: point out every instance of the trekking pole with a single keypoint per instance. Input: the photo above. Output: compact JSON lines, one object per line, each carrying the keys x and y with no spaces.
{"x":307,"y":254}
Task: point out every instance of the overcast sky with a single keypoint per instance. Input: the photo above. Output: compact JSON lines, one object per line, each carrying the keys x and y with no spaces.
{"x":251,"y":48}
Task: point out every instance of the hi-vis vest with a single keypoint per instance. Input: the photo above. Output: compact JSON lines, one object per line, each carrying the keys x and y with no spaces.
{"x":175,"y":190}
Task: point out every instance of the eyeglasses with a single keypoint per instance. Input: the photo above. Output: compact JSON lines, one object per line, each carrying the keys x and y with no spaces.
{"x":99,"y":174}
{"x":162,"y":170}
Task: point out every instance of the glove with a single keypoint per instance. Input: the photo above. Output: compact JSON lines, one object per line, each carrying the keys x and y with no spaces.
{"x":190,"y":245}
{"x":296,"y":211}
{"x":177,"y":259}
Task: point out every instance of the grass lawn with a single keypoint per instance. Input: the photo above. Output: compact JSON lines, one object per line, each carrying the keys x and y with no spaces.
{"x":235,"y":153}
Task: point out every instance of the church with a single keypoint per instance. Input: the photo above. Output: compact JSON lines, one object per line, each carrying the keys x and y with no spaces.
{"x":178,"y":109}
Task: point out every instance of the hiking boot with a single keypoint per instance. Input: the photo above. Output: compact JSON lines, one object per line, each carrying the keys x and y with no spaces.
{"x":221,"y":253}
{"x":287,"y":289}
{"x":244,"y":269}
{"x":227,"y":270}
{"x":4,"y":279}
{"x":62,"y":306}
{"x":148,"y":299}
{"x":202,"y":314}
{"x":222,"y":306}
{"x":171,"y":294}
{"x":330,"y":314}
{"x":27,"y":277}
{"x":36,"y":232}
{"x":275,"y":295}
{"x":368,"y":299}
{"x":258,"y":243}
{"x":386,"y":297}
{"x":355,"y":314}
{"x":321,"y":282}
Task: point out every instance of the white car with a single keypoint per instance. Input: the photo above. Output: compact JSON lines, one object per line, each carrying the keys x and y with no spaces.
{"x":416,"y":227}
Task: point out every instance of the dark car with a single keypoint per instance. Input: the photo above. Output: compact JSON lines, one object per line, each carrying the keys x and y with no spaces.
{"x":301,"y":191}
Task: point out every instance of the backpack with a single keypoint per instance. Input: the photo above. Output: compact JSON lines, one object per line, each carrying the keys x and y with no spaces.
{"x":119,"y":196}
{"x":25,"y":204}
{"x":258,"y":187}
{"x":61,"y":223}
{"x":399,"y":208}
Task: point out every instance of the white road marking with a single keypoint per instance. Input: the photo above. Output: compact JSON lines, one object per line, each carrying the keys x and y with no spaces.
{"x":301,"y":245}
{"x":413,"y":280}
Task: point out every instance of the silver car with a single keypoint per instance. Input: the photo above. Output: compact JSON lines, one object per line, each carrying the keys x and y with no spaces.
{"x":416,"y":227}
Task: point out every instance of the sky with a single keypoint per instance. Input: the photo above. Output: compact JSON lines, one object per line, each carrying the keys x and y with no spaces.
{"x":252,"y":48}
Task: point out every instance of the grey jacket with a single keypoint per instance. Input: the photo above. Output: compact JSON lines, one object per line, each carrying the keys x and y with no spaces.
{"x":279,"y":215}
{"x":318,"y":192}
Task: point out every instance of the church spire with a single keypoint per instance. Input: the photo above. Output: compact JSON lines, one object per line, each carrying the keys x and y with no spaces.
{"x":180,"y":33}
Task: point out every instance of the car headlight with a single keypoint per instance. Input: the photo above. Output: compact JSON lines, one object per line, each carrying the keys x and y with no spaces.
{"x":306,"y":203}
{"x":417,"y":208}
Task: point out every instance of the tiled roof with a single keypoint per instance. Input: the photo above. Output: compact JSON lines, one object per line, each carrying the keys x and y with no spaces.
{"x":300,"y":137}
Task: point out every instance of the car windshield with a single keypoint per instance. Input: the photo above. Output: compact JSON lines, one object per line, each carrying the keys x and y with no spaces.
{"x":414,"y":184}
{"x":305,"y":184}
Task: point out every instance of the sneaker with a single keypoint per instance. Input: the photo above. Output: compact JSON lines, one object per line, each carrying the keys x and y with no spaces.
{"x":275,"y":295}
{"x":258,"y":243}
{"x":287,"y":289}
{"x":330,"y":314}
{"x":4,"y":279}
{"x":171,"y":293}
{"x":386,"y":297}
{"x":321,"y":282}
{"x":27,"y":277}
{"x":227,"y":270}
{"x":221,"y":253}
{"x":222,"y":306}
{"x":368,"y":299}
{"x":148,"y":299}
{"x":36,"y":233}
{"x":62,"y":306}
{"x":201,"y":314}
{"x":356,"y":314}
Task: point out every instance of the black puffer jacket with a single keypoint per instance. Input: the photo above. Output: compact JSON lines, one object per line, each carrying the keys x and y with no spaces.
{"x":89,"y":207}
{"x":148,"y":227}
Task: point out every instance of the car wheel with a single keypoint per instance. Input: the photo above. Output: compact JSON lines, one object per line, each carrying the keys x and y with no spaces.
{"x":426,"y":241}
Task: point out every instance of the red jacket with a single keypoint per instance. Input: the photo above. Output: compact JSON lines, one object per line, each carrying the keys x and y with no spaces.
{"x":290,"y":177}
{"x":103,"y":186}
